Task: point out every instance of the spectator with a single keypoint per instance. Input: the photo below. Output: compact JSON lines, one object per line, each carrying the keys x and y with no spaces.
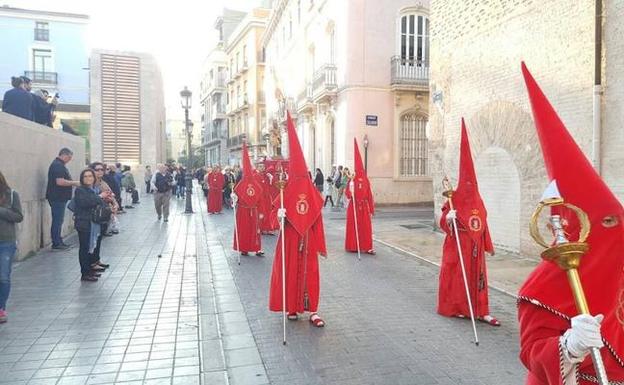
{"x":129,"y":186}
{"x":43,"y":111}
{"x":319,"y":180}
{"x":229,"y":181}
{"x":162,"y":182}
{"x":101,"y":188}
{"x":85,"y":201}
{"x":180,"y":182}
{"x":204,"y":183}
{"x":329,"y":190}
{"x":118,"y":174}
{"x":17,"y":101}
{"x":100,"y":170}
{"x":10,"y":215}
{"x":58,"y":193}
{"x":344,"y":179}
{"x":199,"y":175}
{"x":110,"y":177}
{"x":148,"y":179}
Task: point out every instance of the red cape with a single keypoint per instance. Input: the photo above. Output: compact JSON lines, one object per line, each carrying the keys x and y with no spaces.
{"x":475,"y":240}
{"x":215,"y":193}
{"x":249,"y":193}
{"x":364,"y":207}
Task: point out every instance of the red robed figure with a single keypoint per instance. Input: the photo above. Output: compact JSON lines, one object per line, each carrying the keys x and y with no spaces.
{"x":249,"y":193}
{"x":265,"y":203}
{"x":216,"y":181}
{"x":364,"y":207}
{"x":274,"y":191}
{"x":546,"y":303}
{"x":475,"y":240}
{"x":304,"y":237}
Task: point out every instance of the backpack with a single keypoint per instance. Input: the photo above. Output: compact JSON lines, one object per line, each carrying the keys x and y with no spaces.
{"x":101,"y":214}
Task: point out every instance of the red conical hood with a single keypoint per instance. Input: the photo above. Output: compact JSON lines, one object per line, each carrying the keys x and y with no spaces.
{"x":580,"y":185}
{"x":249,"y":191}
{"x":302,"y":200}
{"x":358,"y":165}
{"x":471,"y":211}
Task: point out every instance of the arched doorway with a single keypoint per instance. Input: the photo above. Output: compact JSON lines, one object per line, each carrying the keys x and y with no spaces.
{"x":499,"y":185}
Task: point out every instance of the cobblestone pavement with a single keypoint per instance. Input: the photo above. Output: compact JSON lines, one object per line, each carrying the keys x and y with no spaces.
{"x":194,"y":316}
{"x":382,"y":327}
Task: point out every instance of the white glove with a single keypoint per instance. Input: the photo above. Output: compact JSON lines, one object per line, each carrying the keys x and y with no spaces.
{"x":452,"y":214}
{"x":581,"y":337}
{"x":234,"y":197}
{"x":281,"y":213}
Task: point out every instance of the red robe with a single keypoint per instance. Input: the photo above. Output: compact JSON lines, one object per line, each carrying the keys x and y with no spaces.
{"x":265,"y":204}
{"x":215,"y":193}
{"x":248,"y":229}
{"x":274,"y":191}
{"x":452,"y":299}
{"x":364,"y":209}
{"x":302,"y":269}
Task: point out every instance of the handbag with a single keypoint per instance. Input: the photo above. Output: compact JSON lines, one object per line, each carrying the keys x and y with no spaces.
{"x":101,"y":214}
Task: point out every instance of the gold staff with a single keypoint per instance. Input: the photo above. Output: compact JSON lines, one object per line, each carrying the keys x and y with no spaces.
{"x":281,"y":183}
{"x":567,"y":255}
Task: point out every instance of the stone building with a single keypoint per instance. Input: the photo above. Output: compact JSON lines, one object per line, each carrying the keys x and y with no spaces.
{"x":245,"y":97}
{"x":354,"y":68}
{"x":476,"y":50}
{"x":127,"y":109}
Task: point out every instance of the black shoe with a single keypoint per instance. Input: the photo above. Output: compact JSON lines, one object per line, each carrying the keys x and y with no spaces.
{"x":114,"y":231}
{"x":94,"y":274}
{"x":104,"y":265}
{"x":129,"y":207}
{"x":108,"y":234}
{"x":260,"y":254}
{"x":60,"y":247}
{"x":166,"y":220}
{"x":159,"y":217}
{"x":88,"y":278}
{"x":97,"y":268}
{"x":244,"y":253}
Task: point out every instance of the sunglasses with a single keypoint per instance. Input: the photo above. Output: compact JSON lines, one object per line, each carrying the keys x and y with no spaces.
{"x":98,"y":169}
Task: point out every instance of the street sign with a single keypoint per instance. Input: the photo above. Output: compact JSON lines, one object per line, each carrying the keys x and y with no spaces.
{"x":371,"y":120}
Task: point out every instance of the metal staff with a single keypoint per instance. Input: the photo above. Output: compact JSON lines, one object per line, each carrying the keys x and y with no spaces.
{"x":234,"y":205}
{"x":357,"y":234}
{"x":568,"y":256}
{"x":449,"y":194}
{"x":281,"y":184}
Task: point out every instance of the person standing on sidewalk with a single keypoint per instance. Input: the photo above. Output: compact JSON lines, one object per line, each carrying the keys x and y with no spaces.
{"x":470,"y":216}
{"x":58,"y":193}
{"x":85,"y":201}
{"x":10,"y":215}
{"x":111,"y":179}
{"x":129,"y":186}
{"x":359,"y":238}
{"x":216,"y":183}
{"x":148,"y":179}
{"x":162,"y":182}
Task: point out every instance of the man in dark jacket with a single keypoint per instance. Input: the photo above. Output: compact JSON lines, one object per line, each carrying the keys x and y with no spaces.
{"x":17,"y":101}
{"x":110,"y":179}
{"x":58,"y":193}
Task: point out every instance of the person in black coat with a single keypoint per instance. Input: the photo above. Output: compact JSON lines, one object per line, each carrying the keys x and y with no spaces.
{"x":85,"y":201}
{"x":17,"y":101}
{"x":111,"y":179}
{"x":319,"y":180}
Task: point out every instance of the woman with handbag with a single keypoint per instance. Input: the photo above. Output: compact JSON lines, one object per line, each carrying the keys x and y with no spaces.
{"x":88,"y":205}
{"x":10,"y":215}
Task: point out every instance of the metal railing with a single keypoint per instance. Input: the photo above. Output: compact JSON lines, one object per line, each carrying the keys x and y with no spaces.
{"x":42,"y":77}
{"x":324,"y":77}
{"x":409,"y":71}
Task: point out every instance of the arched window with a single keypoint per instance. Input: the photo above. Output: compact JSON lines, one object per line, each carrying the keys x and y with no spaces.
{"x":413,"y":142}
{"x":413,"y":44}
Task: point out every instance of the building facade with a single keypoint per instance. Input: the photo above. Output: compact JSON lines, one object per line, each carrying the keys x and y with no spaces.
{"x":128,"y":109}
{"x":354,"y":69}
{"x":245,"y":108}
{"x":49,"y":48}
{"x":214,"y":93}
{"x":476,"y":74}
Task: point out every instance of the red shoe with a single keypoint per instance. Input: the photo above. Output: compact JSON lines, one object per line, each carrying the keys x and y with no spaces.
{"x":317,"y":321}
{"x":292,"y":316}
{"x":488,"y":319}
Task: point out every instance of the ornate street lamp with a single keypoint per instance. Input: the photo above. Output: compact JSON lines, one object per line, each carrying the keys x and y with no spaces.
{"x":366,"y":153}
{"x":186,"y":100}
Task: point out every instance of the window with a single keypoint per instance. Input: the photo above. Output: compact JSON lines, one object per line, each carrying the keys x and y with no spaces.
{"x":298,"y":11}
{"x":245,"y":92}
{"x":238,"y":96}
{"x":244,"y":56}
{"x":289,"y":26}
{"x":414,"y":40}
{"x":41,"y":61}
{"x":332,"y":46}
{"x":42,"y":31}
{"x":413,"y":142}
{"x":237,"y":61}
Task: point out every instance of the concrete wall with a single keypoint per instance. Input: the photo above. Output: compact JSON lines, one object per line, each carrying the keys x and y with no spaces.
{"x":476,"y":53}
{"x":26,"y":151}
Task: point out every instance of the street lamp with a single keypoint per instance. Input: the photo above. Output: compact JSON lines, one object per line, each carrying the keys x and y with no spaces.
{"x":366,"y":153}
{"x":186,"y":100}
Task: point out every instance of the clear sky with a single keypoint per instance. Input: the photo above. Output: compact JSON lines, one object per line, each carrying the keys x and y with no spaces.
{"x":178,"y":33}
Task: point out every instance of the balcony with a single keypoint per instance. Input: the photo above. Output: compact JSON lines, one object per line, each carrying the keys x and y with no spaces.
{"x":236,"y":141}
{"x":409,"y":74}
{"x":41,"y":77}
{"x":324,"y":82}
{"x":218,"y":86}
{"x":304,"y":99}
{"x":218,"y":112}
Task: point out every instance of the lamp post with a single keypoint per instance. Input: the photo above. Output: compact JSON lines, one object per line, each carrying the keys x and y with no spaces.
{"x":366,"y":153}
{"x":185,"y":96}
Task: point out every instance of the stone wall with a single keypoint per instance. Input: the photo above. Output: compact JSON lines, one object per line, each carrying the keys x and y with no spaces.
{"x":26,"y":151}
{"x":476,"y":52}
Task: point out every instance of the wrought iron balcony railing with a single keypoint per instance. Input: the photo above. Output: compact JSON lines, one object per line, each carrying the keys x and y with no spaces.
{"x":409,"y":71}
{"x":42,"y":77}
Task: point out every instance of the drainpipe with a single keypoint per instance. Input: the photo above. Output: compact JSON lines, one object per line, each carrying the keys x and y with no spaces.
{"x":597,"y":123}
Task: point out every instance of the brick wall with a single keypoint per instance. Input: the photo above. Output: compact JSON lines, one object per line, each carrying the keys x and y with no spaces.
{"x":477,"y":47}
